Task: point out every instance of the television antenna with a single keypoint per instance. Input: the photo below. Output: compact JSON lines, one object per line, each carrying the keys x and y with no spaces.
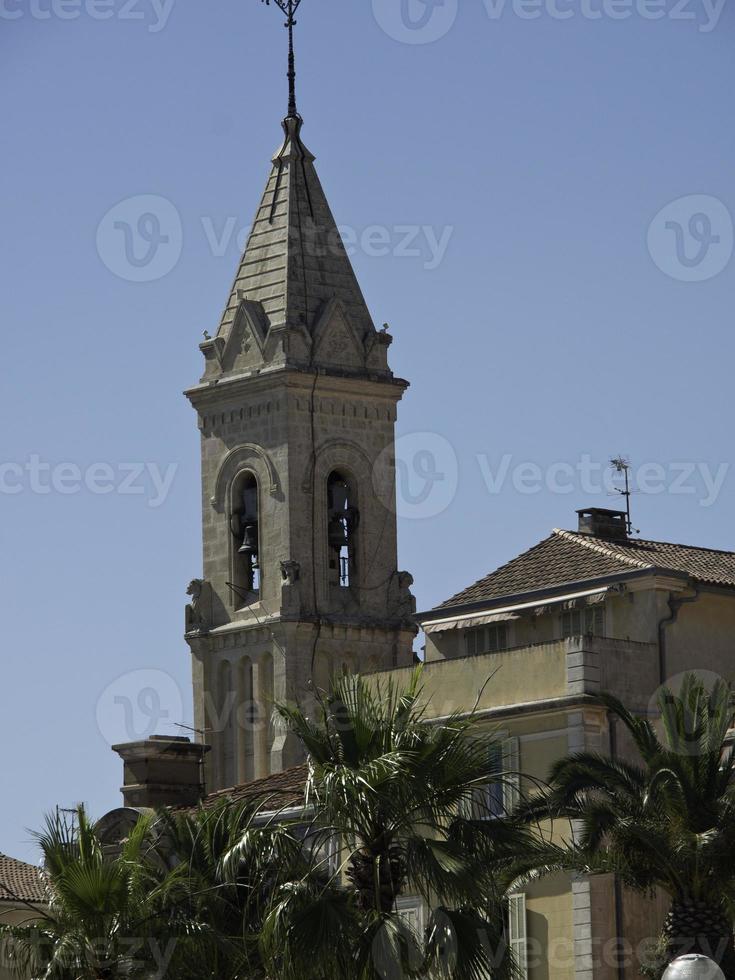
{"x":622,"y":465}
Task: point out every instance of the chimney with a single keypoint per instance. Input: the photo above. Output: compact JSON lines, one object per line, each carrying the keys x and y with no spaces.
{"x":601,"y":523}
{"x":163,"y":770}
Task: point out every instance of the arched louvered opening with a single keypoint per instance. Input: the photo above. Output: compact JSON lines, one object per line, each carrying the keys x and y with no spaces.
{"x":245,"y":526}
{"x":342,"y":521}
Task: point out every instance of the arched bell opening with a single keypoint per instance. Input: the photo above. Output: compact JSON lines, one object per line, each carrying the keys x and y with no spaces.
{"x":343,"y":518}
{"x":245,"y":528}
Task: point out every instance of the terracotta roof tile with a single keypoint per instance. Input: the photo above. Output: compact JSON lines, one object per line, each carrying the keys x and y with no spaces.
{"x":280,"y":789}
{"x":20,"y":881}
{"x":567,"y":557}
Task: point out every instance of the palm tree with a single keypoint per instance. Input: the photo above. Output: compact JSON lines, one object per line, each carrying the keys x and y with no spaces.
{"x":666,"y":822}
{"x":185,"y":895}
{"x":399,"y":794}
{"x":225,"y":863}
{"x":103,"y":917}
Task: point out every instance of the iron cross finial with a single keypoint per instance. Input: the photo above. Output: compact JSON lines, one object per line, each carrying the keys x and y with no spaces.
{"x":289,"y":8}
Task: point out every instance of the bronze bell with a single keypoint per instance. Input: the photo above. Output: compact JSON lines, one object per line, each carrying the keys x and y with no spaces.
{"x":337,"y":533}
{"x":249,"y":544}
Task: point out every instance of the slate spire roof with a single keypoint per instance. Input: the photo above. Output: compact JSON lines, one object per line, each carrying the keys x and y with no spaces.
{"x":294,"y":260}
{"x":295,"y":301}
{"x":571,"y":557}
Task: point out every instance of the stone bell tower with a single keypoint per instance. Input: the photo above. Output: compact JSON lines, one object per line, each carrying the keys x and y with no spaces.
{"x":296,"y":408}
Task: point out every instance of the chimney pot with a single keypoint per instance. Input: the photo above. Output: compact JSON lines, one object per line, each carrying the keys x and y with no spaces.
{"x":601,"y":523}
{"x":162,"y":770}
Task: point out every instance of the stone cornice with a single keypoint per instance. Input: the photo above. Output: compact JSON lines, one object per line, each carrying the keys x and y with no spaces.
{"x":269,"y":382}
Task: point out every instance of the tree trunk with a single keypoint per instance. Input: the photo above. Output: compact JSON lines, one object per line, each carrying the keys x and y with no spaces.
{"x":696,"y":927}
{"x":387,"y":867}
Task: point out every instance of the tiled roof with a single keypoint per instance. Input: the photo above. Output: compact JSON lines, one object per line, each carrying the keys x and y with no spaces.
{"x":19,"y":881}
{"x":280,"y":789}
{"x":567,"y":557}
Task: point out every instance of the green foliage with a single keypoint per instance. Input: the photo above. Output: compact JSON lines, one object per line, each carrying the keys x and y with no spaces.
{"x":103,"y":917}
{"x":239,"y":892}
{"x":225,"y":865}
{"x":399,"y":794}
{"x":666,"y":821}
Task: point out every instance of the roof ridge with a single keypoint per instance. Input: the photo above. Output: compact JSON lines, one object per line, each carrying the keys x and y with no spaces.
{"x":689,"y":547}
{"x":9,"y":857}
{"x":666,"y":544}
{"x":577,"y":538}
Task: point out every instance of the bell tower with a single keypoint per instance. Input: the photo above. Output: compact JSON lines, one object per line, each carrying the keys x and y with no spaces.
{"x":296,"y":409}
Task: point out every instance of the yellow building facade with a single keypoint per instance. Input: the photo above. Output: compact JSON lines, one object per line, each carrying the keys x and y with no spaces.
{"x":530,"y":645}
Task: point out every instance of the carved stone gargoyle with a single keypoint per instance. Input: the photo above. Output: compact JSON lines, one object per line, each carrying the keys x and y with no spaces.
{"x":290,"y":572}
{"x":405,"y":599}
{"x":196,"y":617}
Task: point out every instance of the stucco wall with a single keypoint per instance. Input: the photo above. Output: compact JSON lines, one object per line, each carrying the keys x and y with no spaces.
{"x":512,"y":676}
{"x":703,"y":637}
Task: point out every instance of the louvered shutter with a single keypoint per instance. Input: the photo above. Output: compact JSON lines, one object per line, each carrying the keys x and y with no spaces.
{"x":512,"y":770}
{"x":517,"y":936}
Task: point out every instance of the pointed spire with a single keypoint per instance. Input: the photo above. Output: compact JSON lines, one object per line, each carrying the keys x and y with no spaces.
{"x":295,"y":300}
{"x":295,"y":261}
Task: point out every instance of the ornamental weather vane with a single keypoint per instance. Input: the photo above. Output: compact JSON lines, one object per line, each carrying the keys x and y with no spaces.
{"x":289,"y":8}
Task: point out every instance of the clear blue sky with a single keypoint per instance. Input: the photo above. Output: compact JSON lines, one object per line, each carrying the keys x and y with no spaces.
{"x":545,"y":333}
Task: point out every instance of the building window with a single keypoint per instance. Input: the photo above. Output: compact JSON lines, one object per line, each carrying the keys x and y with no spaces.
{"x":486,"y":639}
{"x":518,"y":933}
{"x":499,"y":797}
{"x":583,"y":622}
{"x":245,"y":527}
{"x":320,"y":847}
{"x":342,"y":521}
{"x":410,"y":909}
